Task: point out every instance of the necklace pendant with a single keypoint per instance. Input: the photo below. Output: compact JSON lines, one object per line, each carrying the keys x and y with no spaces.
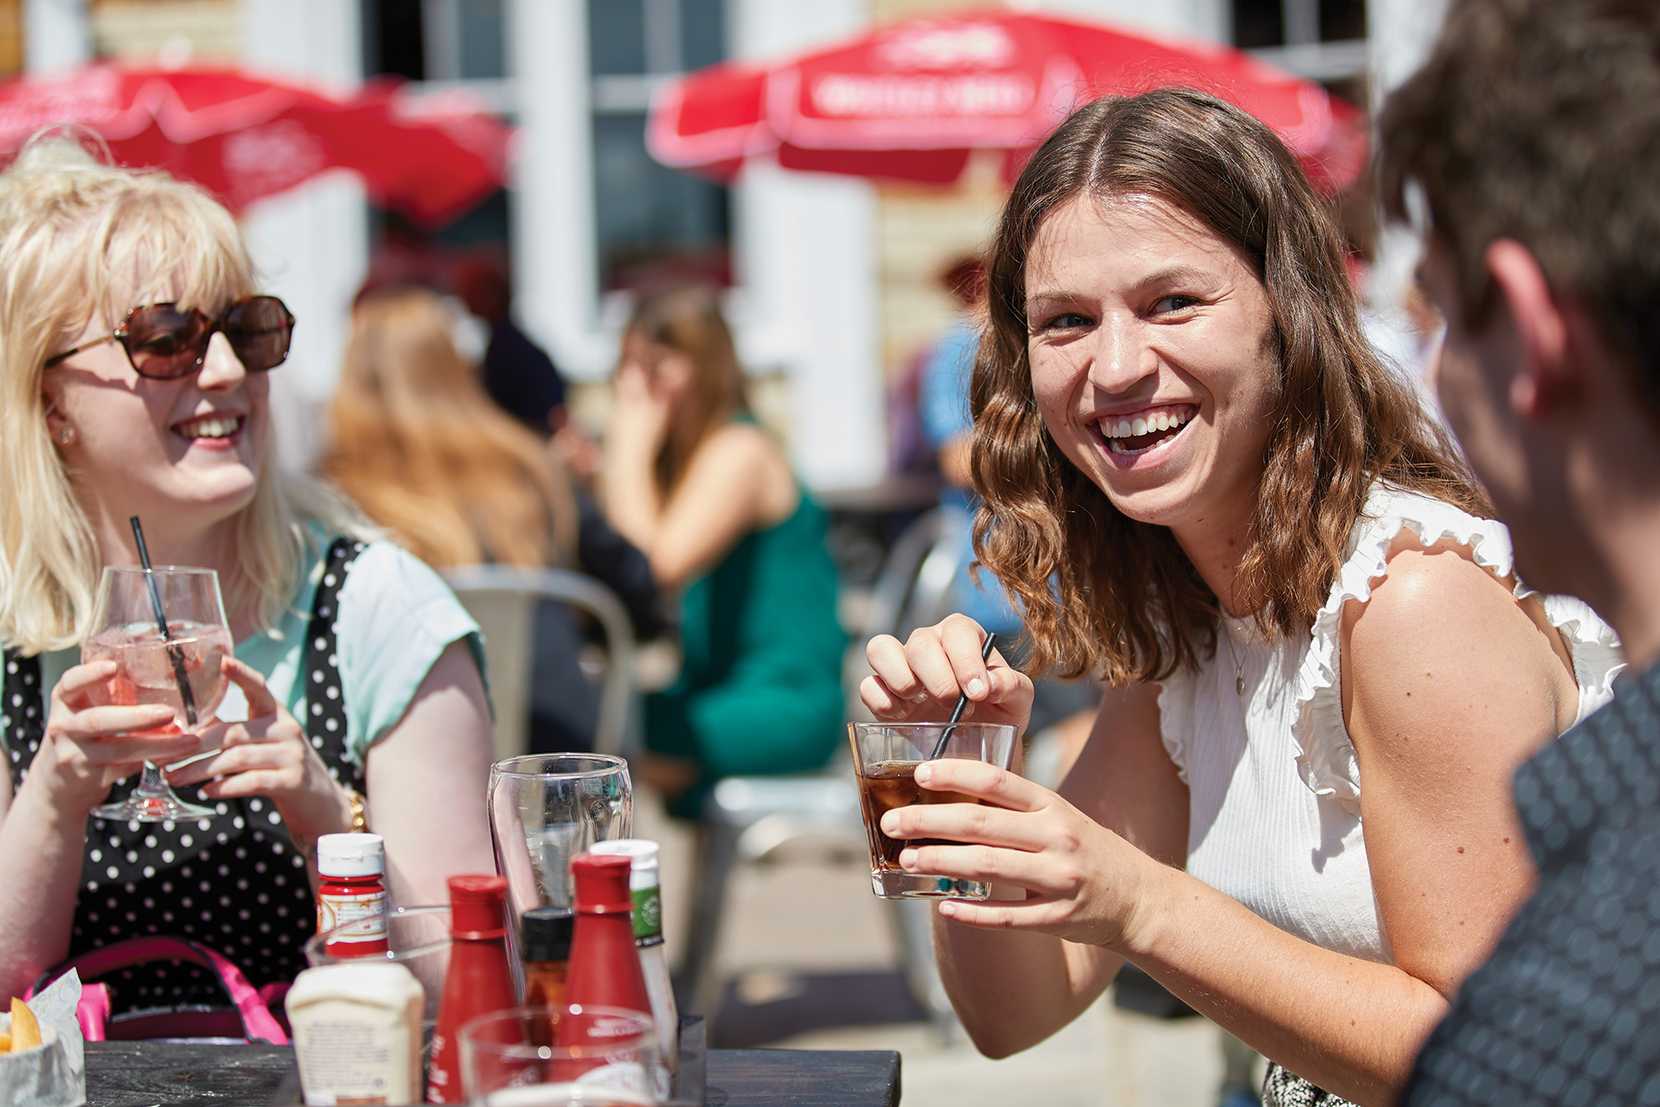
{"x":1239,"y":684}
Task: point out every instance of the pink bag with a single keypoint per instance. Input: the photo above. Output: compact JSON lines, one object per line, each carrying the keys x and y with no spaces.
{"x":248,"y":1014}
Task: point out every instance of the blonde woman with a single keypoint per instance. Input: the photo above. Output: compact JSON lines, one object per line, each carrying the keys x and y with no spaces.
{"x":1294,"y":810}
{"x":416,"y":442}
{"x":135,"y":349}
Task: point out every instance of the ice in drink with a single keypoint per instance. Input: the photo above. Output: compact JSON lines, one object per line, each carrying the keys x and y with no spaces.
{"x":145,"y":665}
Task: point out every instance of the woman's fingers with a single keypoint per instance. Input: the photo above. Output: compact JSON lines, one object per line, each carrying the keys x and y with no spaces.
{"x":240,"y":753}
{"x":878,"y":699}
{"x":75,"y":687}
{"x":984,"y":782}
{"x":96,"y":723}
{"x":925,"y":654}
{"x":986,"y":864}
{"x":1033,"y":913}
{"x":129,"y":750}
{"x":888,"y":661}
{"x":260,"y":700}
{"x":966,"y":822}
{"x":962,"y":639}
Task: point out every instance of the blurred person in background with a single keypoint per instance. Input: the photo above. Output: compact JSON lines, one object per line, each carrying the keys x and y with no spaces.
{"x":1200,"y":483}
{"x":1525,"y":151}
{"x":516,"y":373}
{"x":416,"y":443}
{"x":692,"y":479}
{"x":134,"y":358}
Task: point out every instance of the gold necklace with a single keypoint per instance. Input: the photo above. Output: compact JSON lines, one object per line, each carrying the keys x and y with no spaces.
{"x":1238,"y":666}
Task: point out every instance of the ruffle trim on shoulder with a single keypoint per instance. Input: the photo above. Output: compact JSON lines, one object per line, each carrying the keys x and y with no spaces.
{"x":1176,"y":717}
{"x":1325,"y":754}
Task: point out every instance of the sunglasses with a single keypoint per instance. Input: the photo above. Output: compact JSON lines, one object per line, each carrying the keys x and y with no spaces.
{"x":165,"y":342}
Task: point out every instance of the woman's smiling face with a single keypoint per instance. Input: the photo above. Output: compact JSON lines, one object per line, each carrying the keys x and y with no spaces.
{"x":189,"y":450}
{"x":1153,"y":357}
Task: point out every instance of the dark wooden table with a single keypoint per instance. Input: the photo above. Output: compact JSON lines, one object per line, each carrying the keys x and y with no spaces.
{"x":154,"y":1074}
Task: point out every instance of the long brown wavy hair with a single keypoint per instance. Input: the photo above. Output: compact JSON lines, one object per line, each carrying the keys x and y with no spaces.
{"x":415,"y":441}
{"x":688,"y":321}
{"x":1106,"y":594}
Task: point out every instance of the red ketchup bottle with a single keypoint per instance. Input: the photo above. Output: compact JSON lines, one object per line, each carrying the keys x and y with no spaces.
{"x":351,"y":894}
{"x":479,"y":980}
{"x":605,"y":965}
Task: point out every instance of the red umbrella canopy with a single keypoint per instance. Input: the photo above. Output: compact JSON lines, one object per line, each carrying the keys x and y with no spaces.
{"x":913,"y":100}
{"x":246,"y":137}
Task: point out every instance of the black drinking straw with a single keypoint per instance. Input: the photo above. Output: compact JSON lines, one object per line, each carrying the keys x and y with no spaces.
{"x":962,"y":703}
{"x":174,"y":654}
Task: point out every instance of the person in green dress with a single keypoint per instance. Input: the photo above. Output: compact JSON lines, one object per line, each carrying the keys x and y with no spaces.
{"x":692,"y":480}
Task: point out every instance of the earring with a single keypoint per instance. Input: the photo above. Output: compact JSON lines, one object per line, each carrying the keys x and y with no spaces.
{"x":66,"y":435}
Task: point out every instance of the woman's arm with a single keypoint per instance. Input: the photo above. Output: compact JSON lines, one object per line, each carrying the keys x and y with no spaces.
{"x":1452,"y":686}
{"x":732,"y":478}
{"x":426,"y":782}
{"x":1014,"y":989}
{"x":43,"y":825}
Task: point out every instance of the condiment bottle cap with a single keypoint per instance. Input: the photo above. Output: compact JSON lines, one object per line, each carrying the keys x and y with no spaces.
{"x":476,"y":906}
{"x":546,"y":933}
{"x":601,"y":884}
{"x":351,"y":855}
{"x":641,"y":853}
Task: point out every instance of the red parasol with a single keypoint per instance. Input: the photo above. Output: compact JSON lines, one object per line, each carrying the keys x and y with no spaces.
{"x":245,"y":137}
{"x":914,"y":100}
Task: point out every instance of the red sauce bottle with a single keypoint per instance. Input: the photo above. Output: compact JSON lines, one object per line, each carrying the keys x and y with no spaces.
{"x":351,"y":894}
{"x":605,"y":966}
{"x":479,"y":980}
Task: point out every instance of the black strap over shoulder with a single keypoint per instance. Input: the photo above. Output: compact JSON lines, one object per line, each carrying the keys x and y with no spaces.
{"x":325,"y":700}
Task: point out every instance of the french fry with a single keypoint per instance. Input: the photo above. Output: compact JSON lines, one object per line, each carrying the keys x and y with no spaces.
{"x":5,"y":1042}
{"x":25,"y":1030}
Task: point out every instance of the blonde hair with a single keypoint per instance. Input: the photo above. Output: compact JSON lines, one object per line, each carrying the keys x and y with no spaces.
{"x":74,"y":232}
{"x":417,"y":443}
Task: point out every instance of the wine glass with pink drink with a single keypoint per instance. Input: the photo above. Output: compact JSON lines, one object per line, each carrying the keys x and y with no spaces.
{"x":180,"y":668}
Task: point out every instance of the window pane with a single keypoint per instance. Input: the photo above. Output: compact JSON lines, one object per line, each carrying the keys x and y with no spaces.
{"x":1258,"y":23}
{"x":703,"y":32}
{"x":653,"y":224}
{"x":616,"y":36}
{"x":394,"y":43}
{"x":483,"y":40}
{"x":1342,"y":19}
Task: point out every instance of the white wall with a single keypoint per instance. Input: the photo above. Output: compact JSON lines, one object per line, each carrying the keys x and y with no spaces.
{"x":311,"y":245}
{"x":805,"y":254}
{"x":1190,"y":19}
{"x":806,"y":259}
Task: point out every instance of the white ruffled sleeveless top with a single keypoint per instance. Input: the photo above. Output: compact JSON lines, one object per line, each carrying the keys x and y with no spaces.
{"x":1274,"y":809}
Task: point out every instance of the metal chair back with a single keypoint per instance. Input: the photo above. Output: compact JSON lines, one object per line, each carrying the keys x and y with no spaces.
{"x":503,"y":599}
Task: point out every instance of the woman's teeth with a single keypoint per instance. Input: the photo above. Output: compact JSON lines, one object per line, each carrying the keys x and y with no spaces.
{"x":1142,"y":432}
{"x":212,"y":426}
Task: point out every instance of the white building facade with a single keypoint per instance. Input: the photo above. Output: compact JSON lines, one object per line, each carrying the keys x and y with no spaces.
{"x":804,"y":251}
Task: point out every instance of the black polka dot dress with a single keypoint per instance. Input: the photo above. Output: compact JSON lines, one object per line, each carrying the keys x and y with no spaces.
{"x":234,"y":882}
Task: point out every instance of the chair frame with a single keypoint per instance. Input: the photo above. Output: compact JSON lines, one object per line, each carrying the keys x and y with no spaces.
{"x":617,"y":729}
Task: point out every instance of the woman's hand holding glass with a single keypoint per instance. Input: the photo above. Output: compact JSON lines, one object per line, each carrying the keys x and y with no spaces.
{"x":91,"y":744}
{"x":269,"y":756}
{"x":1081,"y":881}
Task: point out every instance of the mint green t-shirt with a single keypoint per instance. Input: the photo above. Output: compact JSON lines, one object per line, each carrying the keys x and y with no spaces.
{"x":397,"y":616}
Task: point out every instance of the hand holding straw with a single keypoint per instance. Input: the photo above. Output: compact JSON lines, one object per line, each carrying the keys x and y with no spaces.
{"x":962,"y":703}
{"x":174,"y":654}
